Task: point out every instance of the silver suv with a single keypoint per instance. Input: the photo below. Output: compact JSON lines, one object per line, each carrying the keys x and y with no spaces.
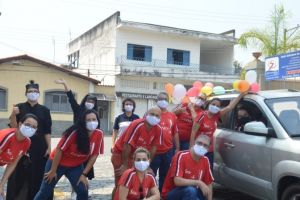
{"x":263,"y":160}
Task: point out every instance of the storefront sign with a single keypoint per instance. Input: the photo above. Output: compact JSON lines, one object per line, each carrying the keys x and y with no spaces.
{"x":136,"y":95}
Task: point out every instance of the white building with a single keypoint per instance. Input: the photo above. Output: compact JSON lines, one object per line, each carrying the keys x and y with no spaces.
{"x":139,"y":58}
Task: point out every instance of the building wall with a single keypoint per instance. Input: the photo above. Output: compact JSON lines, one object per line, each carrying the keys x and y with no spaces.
{"x":15,"y":77}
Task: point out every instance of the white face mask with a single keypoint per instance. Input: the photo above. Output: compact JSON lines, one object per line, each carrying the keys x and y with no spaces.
{"x":213,"y":109}
{"x":27,"y":131}
{"x":141,"y":165}
{"x":89,"y":105}
{"x":199,"y":150}
{"x":152,"y":120}
{"x":128,"y":108}
{"x":92,"y":125}
{"x":199,"y":102}
{"x":33,"y":96}
{"x":162,"y":104}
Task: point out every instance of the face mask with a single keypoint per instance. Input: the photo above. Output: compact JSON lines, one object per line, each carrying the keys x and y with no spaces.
{"x":91,"y":125}
{"x":244,"y":120}
{"x":33,"y":96}
{"x":152,"y":120}
{"x":141,"y":165}
{"x":128,"y":108}
{"x":162,"y":104}
{"x":199,"y":102}
{"x":213,"y":109}
{"x":199,"y":150}
{"x":27,"y":131}
{"x":89,"y":105}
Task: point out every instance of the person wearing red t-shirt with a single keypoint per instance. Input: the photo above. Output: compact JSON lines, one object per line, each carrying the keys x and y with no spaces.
{"x":189,"y":176}
{"x":80,"y":143}
{"x":186,"y":113}
{"x":206,"y":123}
{"x":136,"y":183}
{"x":14,"y":143}
{"x":144,"y":132}
{"x":165,"y":152}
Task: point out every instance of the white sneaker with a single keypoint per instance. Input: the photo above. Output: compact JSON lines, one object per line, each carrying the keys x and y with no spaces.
{"x":73,"y":195}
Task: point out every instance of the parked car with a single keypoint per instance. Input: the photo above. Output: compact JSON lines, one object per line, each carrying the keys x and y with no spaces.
{"x":263,"y":160}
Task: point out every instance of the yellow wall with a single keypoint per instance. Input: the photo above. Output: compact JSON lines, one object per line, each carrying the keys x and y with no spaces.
{"x":15,"y":77}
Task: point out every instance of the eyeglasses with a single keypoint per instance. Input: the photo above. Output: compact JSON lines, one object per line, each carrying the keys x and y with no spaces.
{"x":32,"y":126}
{"x":202,"y":144}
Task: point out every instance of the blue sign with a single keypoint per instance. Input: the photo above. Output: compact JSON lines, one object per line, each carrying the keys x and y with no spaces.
{"x":283,"y":66}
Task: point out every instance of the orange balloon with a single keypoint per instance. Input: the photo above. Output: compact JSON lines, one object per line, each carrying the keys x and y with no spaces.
{"x":169,"y":88}
{"x":243,"y":86}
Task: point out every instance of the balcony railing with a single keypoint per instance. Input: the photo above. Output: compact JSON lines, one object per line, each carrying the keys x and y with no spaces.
{"x":157,"y":67}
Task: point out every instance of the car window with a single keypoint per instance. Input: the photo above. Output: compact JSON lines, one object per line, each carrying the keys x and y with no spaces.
{"x":287,"y":111}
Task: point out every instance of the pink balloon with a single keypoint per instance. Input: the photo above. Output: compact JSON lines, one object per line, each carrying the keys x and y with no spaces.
{"x":209,"y":84}
{"x":197,"y":84}
{"x":192,"y":92}
{"x":254,"y":87}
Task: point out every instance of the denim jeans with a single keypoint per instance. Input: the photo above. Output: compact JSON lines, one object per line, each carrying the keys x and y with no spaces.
{"x":184,"y":145}
{"x":162,"y":162}
{"x":185,"y":193}
{"x":72,"y":173}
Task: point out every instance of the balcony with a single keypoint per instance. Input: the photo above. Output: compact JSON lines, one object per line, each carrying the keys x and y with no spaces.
{"x":161,"y":68}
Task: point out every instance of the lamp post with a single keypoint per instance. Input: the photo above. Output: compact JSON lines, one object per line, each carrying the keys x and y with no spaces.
{"x":294,"y":29}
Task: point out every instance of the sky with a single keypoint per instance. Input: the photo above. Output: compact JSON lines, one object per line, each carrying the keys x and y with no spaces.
{"x":43,"y":28}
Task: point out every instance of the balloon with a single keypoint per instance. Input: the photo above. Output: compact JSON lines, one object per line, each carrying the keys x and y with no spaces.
{"x":179,"y":92}
{"x":218,"y":90}
{"x":251,"y":76}
{"x":186,"y":99}
{"x":206,"y":90}
{"x":197,"y":84}
{"x":209,"y":84}
{"x":176,"y":101}
{"x":236,"y":84}
{"x":254,"y":87}
{"x":169,"y":88}
{"x":243,"y":86}
{"x":192,"y":92}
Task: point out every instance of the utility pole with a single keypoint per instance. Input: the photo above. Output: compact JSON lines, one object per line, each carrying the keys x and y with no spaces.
{"x":53,"y":42}
{"x":285,"y":38}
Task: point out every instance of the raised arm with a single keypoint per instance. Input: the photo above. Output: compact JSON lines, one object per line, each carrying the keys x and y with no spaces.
{"x":233,"y":103}
{"x":75,"y":106}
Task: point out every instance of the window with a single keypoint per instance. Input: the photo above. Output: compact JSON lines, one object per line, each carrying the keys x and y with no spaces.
{"x":139,"y":52}
{"x":3,"y":101}
{"x":57,"y":101}
{"x":74,"y":59}
{"x":178,"y":57}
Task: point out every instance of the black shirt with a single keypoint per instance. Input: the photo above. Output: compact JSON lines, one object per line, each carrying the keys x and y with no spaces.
{"x":123,"y":121}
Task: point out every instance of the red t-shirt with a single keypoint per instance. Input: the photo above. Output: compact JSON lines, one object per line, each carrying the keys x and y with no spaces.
{"x":169,"y":128}
{"x":136,"y":135}
{"x":184,"y":166}
{"x":185,"y":123}
{"x":136,"y":188}
{"x":10,"y":147}
{"x":71,"y":157}
{"x":207,"y":126}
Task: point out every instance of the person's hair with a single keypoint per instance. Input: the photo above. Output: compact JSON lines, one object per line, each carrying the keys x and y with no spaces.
{"x":163,"y":93}
{"x":29,"y":115}
{"x":89,"y":97}
{"x":82,"y":138}
{"x":124,"y":101}
{"x":141,"y":150}
{"x":204,"y":137}
{"x":31,"y":84}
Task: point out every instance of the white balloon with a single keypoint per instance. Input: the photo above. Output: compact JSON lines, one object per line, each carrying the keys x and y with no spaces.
{"x":251,"y":76}
{"x":179,"y":91}
{"x":176,"y":101}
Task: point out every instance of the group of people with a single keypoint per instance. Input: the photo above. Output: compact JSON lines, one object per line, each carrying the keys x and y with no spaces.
{"x":176,"y":145}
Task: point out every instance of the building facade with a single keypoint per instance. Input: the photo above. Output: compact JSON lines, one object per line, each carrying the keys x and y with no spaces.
{"x":16,"y":73}
{"x":139,"y":58}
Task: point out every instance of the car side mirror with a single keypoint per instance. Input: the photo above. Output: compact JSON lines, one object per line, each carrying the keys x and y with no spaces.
{"x":256,"y":128}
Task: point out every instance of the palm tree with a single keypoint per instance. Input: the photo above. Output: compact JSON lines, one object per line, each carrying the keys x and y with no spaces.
{"x":273,"y":40}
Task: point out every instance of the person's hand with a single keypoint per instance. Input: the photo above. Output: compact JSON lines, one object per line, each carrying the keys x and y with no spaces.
{"x":190,"y":105}
{"x":47,"y":153}
{"x":83,"y":180}
{"x":15,"y":110}
{"x":180,"y":110}
{"x":204,"y":188}
{"x":49,"y":176}
{"x":120,"y":170}
{"x":60,"y":81}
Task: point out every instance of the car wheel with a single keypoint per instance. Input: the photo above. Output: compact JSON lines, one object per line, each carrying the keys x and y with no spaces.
{"x":292,"y":192}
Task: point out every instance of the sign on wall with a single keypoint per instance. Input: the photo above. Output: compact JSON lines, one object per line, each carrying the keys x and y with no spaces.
{"x":283,"y":66}
{"x":136,"y":95}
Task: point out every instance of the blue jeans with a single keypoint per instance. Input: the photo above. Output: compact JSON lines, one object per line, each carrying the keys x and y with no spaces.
{"x":184,"y":145}
{"x":72,"y":174}
{"x":210,"y":156}
{"x":162,"y":162}
{"x":185,"y":193}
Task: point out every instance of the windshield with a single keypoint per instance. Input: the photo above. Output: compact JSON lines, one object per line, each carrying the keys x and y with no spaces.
{"x":287,"y":111}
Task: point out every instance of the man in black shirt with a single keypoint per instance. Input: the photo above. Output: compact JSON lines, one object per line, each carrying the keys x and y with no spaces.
{"x":40,"y":143}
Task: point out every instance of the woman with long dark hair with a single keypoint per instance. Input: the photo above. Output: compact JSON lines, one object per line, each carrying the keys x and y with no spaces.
{"x":80,"y":143}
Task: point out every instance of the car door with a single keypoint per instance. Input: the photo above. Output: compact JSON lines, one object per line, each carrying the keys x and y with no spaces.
{"x":243,"y":161}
